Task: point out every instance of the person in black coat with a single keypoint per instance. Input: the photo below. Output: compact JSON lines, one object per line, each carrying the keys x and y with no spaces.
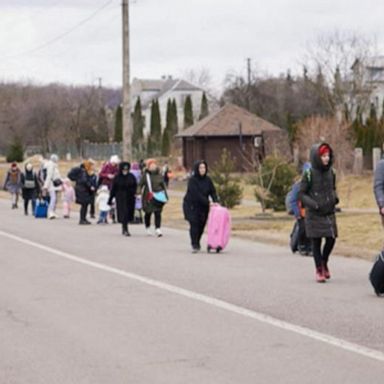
{"x":318,"y":194}
{"x":30,"y":187}
{"x":124,"y":190}
{"x":196,"y":202}
{"x":85,"y":187}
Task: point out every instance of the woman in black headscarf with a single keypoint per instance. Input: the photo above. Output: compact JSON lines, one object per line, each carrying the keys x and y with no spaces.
{"x":196,"y":202}
{"x":124,"y":190}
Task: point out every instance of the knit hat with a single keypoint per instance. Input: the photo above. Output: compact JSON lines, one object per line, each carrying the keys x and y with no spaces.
{"x":324,"y":149}
{"x":114,"y":159}
{"x":54,"y":158}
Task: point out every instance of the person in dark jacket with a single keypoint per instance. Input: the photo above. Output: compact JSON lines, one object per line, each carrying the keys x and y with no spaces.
{"x":196,"y":202}
{"x":378,"y":188}
{"x":318,"y":194}
{"x":84,"y":188}
{"x":124,"y":191}
{"x":30,"y":187}
{"x":152,"y":181}
{"x":12,"y":184}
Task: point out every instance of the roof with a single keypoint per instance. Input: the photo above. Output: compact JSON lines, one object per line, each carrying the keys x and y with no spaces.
{"x":229,"y":121}
{"x":162,"y":87}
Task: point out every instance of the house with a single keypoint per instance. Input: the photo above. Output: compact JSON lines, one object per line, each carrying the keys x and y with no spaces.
{"x":246,"y":136}
{"x":368,"y":83}
{"x":162,"y":90}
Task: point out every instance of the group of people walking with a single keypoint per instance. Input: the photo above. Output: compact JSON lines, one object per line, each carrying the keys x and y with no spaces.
{"x":119,"y":188}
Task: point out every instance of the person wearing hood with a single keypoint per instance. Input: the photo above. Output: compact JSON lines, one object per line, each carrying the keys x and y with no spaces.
{"x":196,"y":202}
{"x":52,"y":184}
{"x":318,"y":194}
{"x":152,"y":181}
{"x":12,"y":184}
{"x":31,"y":187}
{"x":124,"y":191}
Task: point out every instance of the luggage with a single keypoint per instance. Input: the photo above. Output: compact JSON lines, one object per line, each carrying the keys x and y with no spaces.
{"x":294,"y":242}
{"x":41,"y":210}
{"x":376,"y":275}
{"x":219,"y":228}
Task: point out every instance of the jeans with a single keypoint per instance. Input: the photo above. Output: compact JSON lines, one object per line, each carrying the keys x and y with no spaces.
{"x":147,"y":219}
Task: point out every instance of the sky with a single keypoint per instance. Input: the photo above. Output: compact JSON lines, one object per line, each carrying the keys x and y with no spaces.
{"x":79,"y":41}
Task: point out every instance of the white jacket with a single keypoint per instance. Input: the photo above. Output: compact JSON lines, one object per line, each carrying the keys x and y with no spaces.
{"x":52,"y":174}
{"x":102,"y":201}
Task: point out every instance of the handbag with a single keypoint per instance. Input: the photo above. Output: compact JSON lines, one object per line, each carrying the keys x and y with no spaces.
{"x":159,"y":197}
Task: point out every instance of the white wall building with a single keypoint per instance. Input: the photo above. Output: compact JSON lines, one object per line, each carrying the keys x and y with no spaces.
{"x":163,"y":90}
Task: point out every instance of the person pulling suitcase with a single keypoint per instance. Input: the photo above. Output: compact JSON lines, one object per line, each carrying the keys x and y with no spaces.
{"x":196,"y":202}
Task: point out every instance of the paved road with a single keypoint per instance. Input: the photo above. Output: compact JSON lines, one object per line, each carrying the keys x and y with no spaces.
{"x":85,"y":305}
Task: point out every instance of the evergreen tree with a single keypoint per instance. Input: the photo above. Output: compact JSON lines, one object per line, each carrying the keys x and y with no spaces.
{"x":119,"y":125}
{"x":175,"y":126}
{"x":138,"y":128}
{"x":204,"y":111}
{"x":188,"y":112}
{"x":102,"y":127}
{"x":15,"y":151}
{"x":166,"y":140}
{"x":154,"y":140}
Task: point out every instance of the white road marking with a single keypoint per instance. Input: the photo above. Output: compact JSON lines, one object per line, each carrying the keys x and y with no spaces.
{"x":261,"y":317}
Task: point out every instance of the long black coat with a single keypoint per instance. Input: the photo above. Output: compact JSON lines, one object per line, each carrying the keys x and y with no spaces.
{"x":85,"y":185}
{"x":318,"y":194}
{"x":124,"y":191}
{"x":196,"y":200}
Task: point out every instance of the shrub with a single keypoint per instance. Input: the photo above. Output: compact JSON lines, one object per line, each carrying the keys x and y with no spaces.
{"x":227,"y":187}
{"x":15,"y":151}
{"x":273,"y":181}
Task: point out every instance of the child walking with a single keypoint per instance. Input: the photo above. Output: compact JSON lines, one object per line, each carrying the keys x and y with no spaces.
{"x":102,"y":204}
{"x":13,"y":184}
{"x":68,"y":197}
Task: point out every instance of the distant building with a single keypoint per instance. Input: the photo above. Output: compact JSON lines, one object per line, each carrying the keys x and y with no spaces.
{"x":162,"y":90}
{"x":368,"y":84}
{"x":246,"y":136}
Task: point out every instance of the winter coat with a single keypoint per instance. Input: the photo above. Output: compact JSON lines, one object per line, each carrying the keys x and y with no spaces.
{"x":12,"y":181}
{"x":318,"y":195}
{"x":31,"y":186}
{"x":106,"y":170}
{"x":378,"y":184}
{"x":124,"y":191}
{"x":85,"y":185}
{"x":196,"y":200}
{"x":157,"y":182}
{"x":102,"y":200}
{"x":52,"y":174}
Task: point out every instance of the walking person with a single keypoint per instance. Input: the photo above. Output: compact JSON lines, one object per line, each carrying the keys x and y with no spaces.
{"x":68,"y":198}
{"x":102,"y":200}
{"x":52,"y":184}
{"x":107,"y":173}
{"x":378,"y":188}
{"x":84,"y":188}
{"x":31,"y":187}
{"x":165,"y":172}
{"x":12,"y":184}
{"x":318,"y":194}
{"x":152,"y":182}
{"x":196,"y":202}
{"x":124,"y":190}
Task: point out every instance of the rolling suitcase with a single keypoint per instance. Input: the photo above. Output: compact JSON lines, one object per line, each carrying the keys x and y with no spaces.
{"x":376,"y":275}
{"x":219,"y":228}
{"x":41,"y":210}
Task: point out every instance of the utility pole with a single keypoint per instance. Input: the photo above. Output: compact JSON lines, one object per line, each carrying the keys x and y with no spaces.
{"x":249,"y":73}
{"x":127,"y":125}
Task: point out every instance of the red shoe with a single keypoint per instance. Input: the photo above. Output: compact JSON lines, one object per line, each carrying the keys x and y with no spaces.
{"x":320,"y":278}
{"x":326,"y":272}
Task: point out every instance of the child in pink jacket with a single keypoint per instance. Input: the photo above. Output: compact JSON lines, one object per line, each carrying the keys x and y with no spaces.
{"x":68,"y":197}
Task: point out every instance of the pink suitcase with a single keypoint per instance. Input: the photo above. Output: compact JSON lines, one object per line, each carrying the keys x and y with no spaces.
{"x":219,"y":228}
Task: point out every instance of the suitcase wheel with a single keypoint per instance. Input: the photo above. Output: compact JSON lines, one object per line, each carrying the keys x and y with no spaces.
{"x":209,"y":248}
{"x":218,"y":249}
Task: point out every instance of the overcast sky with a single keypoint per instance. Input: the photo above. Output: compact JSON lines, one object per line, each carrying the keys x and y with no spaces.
{"x":169,"y":36}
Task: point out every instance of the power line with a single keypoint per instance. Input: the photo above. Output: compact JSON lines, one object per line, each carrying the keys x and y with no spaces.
{"x":61,"y":36}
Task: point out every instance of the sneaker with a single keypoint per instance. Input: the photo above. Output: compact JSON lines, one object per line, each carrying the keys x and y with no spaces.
{"x":52,"y":216}
{"x":326,"y":272}
{"x":319,"y":276}
{"x":148,"y":231}
{"x":158,"y":232}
